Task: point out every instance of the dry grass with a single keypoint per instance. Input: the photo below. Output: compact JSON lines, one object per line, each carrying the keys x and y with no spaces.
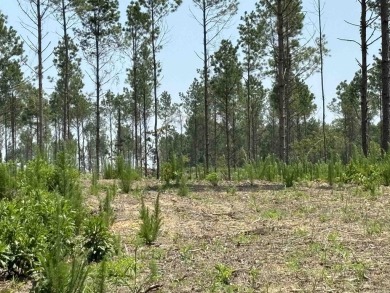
{"x":265,"y":238}
{"x":304,"y":239}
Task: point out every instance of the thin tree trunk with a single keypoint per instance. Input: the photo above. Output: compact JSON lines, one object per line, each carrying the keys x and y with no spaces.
{"x":135,"y":95}
{"x":78,"y":142}
{"x":248,"y":105}
{"x":155,"y":94}
{"x":385,"y":76}
{"x":97,"y":43}
{"x":206,"y":94}
{"x":322,"y":80}
{"x":66,"y":128}
{"x":145,"y":138}
{"x":13,"y":125}
{"x":215,"y":137}
{"x":363,"y":102}
{"x":281,"y":83}
{"x":40,"y":76}
{"x":227,"y":136}
{"x":111,"y":145}
{"x":119,"y":133}
{"x":5,"y":139}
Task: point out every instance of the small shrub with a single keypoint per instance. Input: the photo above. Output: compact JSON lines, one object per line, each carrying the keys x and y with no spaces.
{"x":213,"y":178}
{"x":60,"y":275}
{"x":151,"y":222}
{"x":127,"y":176}
{"x":94,"y":184}
{"x":183,"y":188}
{"x":250,"y":171}
{"x":224,"y":274}
{"x":38,"y":175}
{"x":106,"y":209}
{"x":167,"y":173}
{"x":289,"y":175}
{"x":98,"y":240}
{"x":109,"y":171}
{"x":331,"y":172}
{"x":7,"y":182}
{"x":65,"y":177}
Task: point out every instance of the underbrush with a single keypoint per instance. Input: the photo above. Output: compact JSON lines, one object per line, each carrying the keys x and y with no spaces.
{"x":46,"y":234}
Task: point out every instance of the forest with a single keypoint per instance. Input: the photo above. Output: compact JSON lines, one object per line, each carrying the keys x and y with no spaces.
{"x":235,"y":185}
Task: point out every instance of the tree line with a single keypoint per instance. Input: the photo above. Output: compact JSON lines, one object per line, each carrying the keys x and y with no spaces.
{"x":227,"y":117}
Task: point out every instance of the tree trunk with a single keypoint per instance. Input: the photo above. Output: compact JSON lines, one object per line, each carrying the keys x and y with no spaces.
{"x":215,"y":138}
{"x":135,"y":95}
{"x":281,"y":83}
{"x":363,"y":89}
{"x":145,"y":138}
{"x":248,"y":108}
{"x":227,"y":135}
{"x":155,"y":81}
{"x":206,"y":93}
{"x":40,"y":77}
{"x":97,"y":43}
{"x":119,"y":133}
{"x":111,"y":145}
{"x":13,"y":126}
{"x":322,"y":79}
{"x":66,"y":116}
{"x":78,"y":141}
{"x":385,"y":76}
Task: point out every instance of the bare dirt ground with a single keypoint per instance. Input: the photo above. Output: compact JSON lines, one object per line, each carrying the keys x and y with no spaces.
{"x":265,"y":238}
{"x":261,"y":238}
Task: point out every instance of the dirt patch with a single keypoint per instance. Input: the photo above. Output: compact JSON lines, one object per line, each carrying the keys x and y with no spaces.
{"x":266,"y":238}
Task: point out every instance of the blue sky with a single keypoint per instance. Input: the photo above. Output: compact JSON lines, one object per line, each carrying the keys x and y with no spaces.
{"x":179,"y":59}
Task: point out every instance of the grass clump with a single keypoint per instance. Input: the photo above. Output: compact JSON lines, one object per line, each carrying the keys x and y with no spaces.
{"x":213,"y":178}
{"x":224,"y":274}
{"x":183,"y":187}
{"x":126,"y":174}
{"x":151,"y":222}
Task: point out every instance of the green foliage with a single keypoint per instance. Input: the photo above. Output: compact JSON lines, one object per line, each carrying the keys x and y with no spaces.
{"x":106,"y":210}
{"x":224,"y":274}
{"x":269,"y":169}
{"x":38,"y":175}
{"x":213,"y":178}
{"x":62,"y":275}
{"x":94,"y":183}
{"x":183,"y":187}
{"x":109,"y":171}
{"x":7,"y":182}
{"x":151,"y":222}
{"x":385,"y":170}
{"x":126,"y":174}
{"x":250,"y":171}
{"x":361,"y":172}
{"x":29,"y":226}
{"x":290,"y":175}
{"x":167,"y":173}
{"x":173,"y":170}
{"x":98,"y":240}
{"x":65,"y":177}
{"x":331,"y":172}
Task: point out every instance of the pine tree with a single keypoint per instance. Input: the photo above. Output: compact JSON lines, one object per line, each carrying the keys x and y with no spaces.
{"x":157,"y":10}
{"x":226,"y":84}
{"x":215,"y":16}
{"x":100,"y":28}
{"x":37,"y":11}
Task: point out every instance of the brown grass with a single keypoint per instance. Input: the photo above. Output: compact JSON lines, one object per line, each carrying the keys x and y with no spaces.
{"x":303,"y":239}
{"x":309,"y":238}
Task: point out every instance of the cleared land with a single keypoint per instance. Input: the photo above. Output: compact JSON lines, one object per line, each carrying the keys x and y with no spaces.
{"x":262,"y":238}
{"x":265,"y":238}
